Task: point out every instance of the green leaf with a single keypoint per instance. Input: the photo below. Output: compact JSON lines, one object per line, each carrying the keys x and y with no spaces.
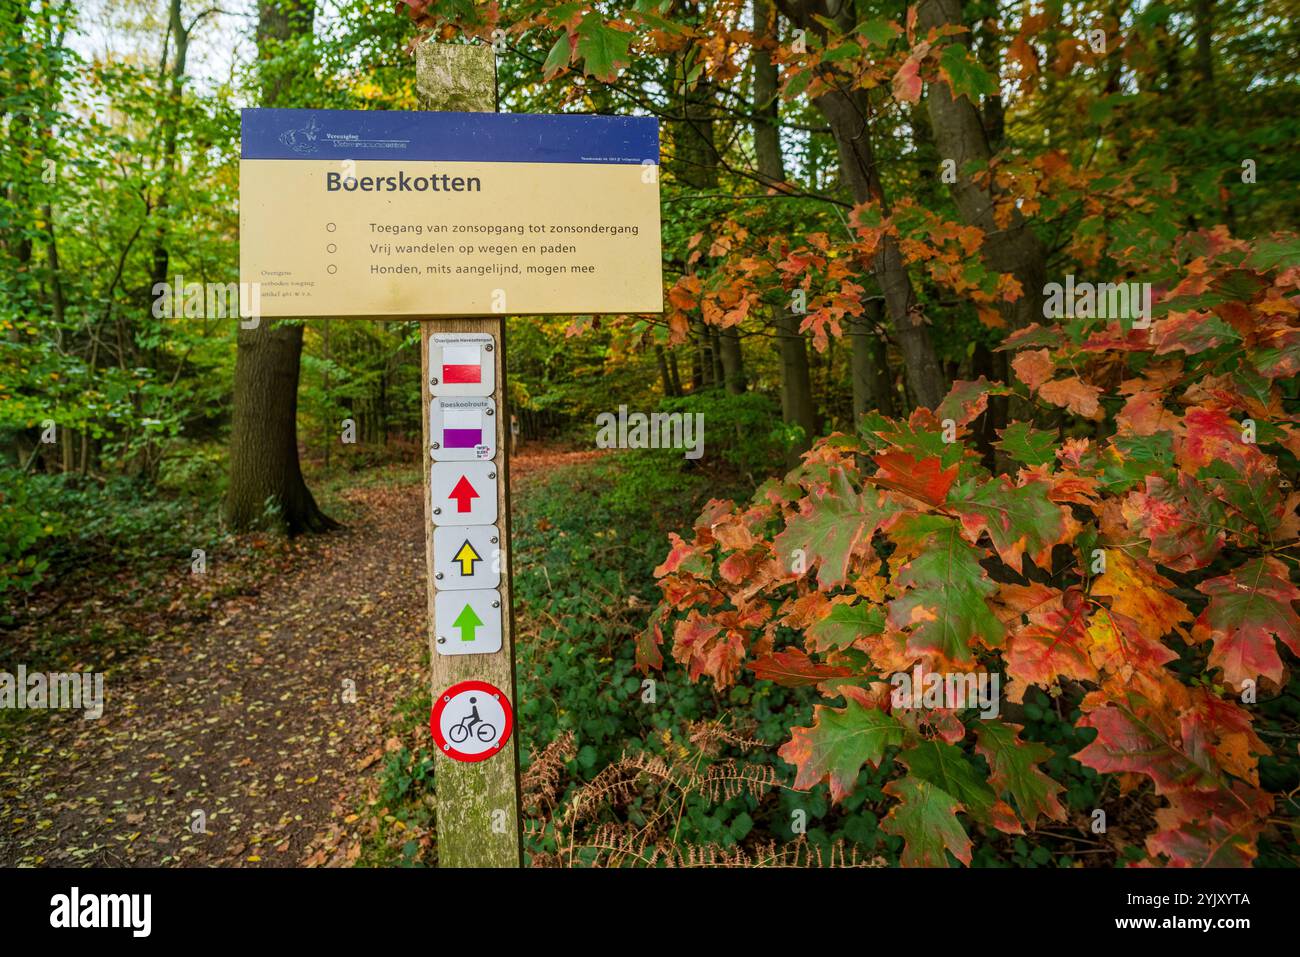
{"x":830,"y":524}
{"x":1278,"y":252}
{"x":558,"y":58}
{"x":919,"y":442}
{"x":878,"y":32}
{"x":946,"y":606}
{"x":1133,"y":457}
{"x":1252,"y":491}
{"x":966,"y":76}
{"x":1018,"y":519}
{"x":926,"y":819}
{"x":603,"y":50}
{"x":845,"y":625}
{"x":798,"y":83}
{"x":1026,"y":444}
{"x":839,"y":743}
{"x":1014,"y":765}
{"x":948,"y":769}
{"x":842,"y":51}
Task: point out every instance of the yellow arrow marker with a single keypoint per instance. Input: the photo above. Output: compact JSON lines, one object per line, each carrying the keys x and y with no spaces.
{"x":467,"y":557}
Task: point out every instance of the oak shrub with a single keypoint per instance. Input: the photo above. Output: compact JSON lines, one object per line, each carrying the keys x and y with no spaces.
{"x":1132,"y":554}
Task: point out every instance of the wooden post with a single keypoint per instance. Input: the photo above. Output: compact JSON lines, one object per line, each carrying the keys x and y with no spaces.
{"x":478,"y":814}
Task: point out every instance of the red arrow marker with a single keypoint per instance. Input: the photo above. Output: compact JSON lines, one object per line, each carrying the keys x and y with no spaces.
{"x":462,"y":493}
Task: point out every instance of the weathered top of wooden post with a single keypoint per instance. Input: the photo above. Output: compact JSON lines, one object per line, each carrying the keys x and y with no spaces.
{"x":456,"y":77}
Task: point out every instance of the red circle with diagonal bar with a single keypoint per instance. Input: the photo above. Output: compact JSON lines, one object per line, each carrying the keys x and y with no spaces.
{"x":459,"y":737}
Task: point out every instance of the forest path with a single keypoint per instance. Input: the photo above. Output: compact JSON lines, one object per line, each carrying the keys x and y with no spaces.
{"x":244,"y":718}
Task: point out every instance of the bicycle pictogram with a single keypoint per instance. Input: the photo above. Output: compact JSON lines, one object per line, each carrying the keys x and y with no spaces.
{"x":471,"y":723}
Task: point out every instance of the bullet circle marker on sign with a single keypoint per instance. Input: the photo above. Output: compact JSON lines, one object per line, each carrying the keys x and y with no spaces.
{"x":471,"y":721}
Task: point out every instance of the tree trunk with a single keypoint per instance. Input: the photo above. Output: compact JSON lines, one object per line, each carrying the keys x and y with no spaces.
{"x":264,"y":465}
{"x":661,"y":360}
{"x":674,"y":373}
{"x":696,"y":165}
{"x":846,"y":113}
{"x":960,"y":135}
{"x":872,"y":388}
{"x":796,"y":381}
{"x":171,"y":119}
{"x":733,"y":361}
{"x":767,"y":133}
{"x":715,"y":353}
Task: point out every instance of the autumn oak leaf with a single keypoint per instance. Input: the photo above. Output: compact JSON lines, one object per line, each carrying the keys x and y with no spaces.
{"x":1034,"y":367}
{"x":924,"y":479}
{"x":1127,"y":742}
{"x":1073,"y":394}
{"x":1014,"y":764}
{"x":1017,"y":519}
{"x":794,"y":669}
{"x":1249,"y":608}
{"x":926,"y":819}
{"x":840,"y":742}
{"x":845,"y":624}
{"x":945,"y":607}
{"x":831,"y":523}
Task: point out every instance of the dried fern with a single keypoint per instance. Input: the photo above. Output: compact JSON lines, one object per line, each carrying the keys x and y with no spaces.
{"x":630,"y":813}
{"x":540,"y":785}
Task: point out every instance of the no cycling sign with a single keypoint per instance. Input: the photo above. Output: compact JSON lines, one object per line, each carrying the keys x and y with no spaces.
{"x":471,"y":721}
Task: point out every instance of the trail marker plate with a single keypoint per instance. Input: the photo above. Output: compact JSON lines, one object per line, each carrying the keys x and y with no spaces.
{"x":466,"y":556}
{"x":462,"y":363}
{"x":471,"y":721}
{"x":463,"y":430}
{"x":467,"y":622}
{"x":463,"y":493}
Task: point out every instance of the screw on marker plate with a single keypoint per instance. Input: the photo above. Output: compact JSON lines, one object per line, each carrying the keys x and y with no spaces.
{"x":488,"y":347}
{"x":491,"y":411}
{"x":446,"y":697}
{"x":437,"y":445}
{"x":438,"y":576}
{"x":497,"y":697}
{"x":437,"y":511}
{"x":433,"y":381}
{"x":495,"y":539}
{"x":442,"y":640}
{"x":496,"y":604}
{"x":492,"y":475}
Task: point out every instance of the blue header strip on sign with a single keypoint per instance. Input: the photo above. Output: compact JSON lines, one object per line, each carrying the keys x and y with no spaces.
{"x":448,"y":137}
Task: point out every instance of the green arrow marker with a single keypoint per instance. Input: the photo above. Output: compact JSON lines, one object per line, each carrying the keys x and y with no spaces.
{"x":467,"y":621}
